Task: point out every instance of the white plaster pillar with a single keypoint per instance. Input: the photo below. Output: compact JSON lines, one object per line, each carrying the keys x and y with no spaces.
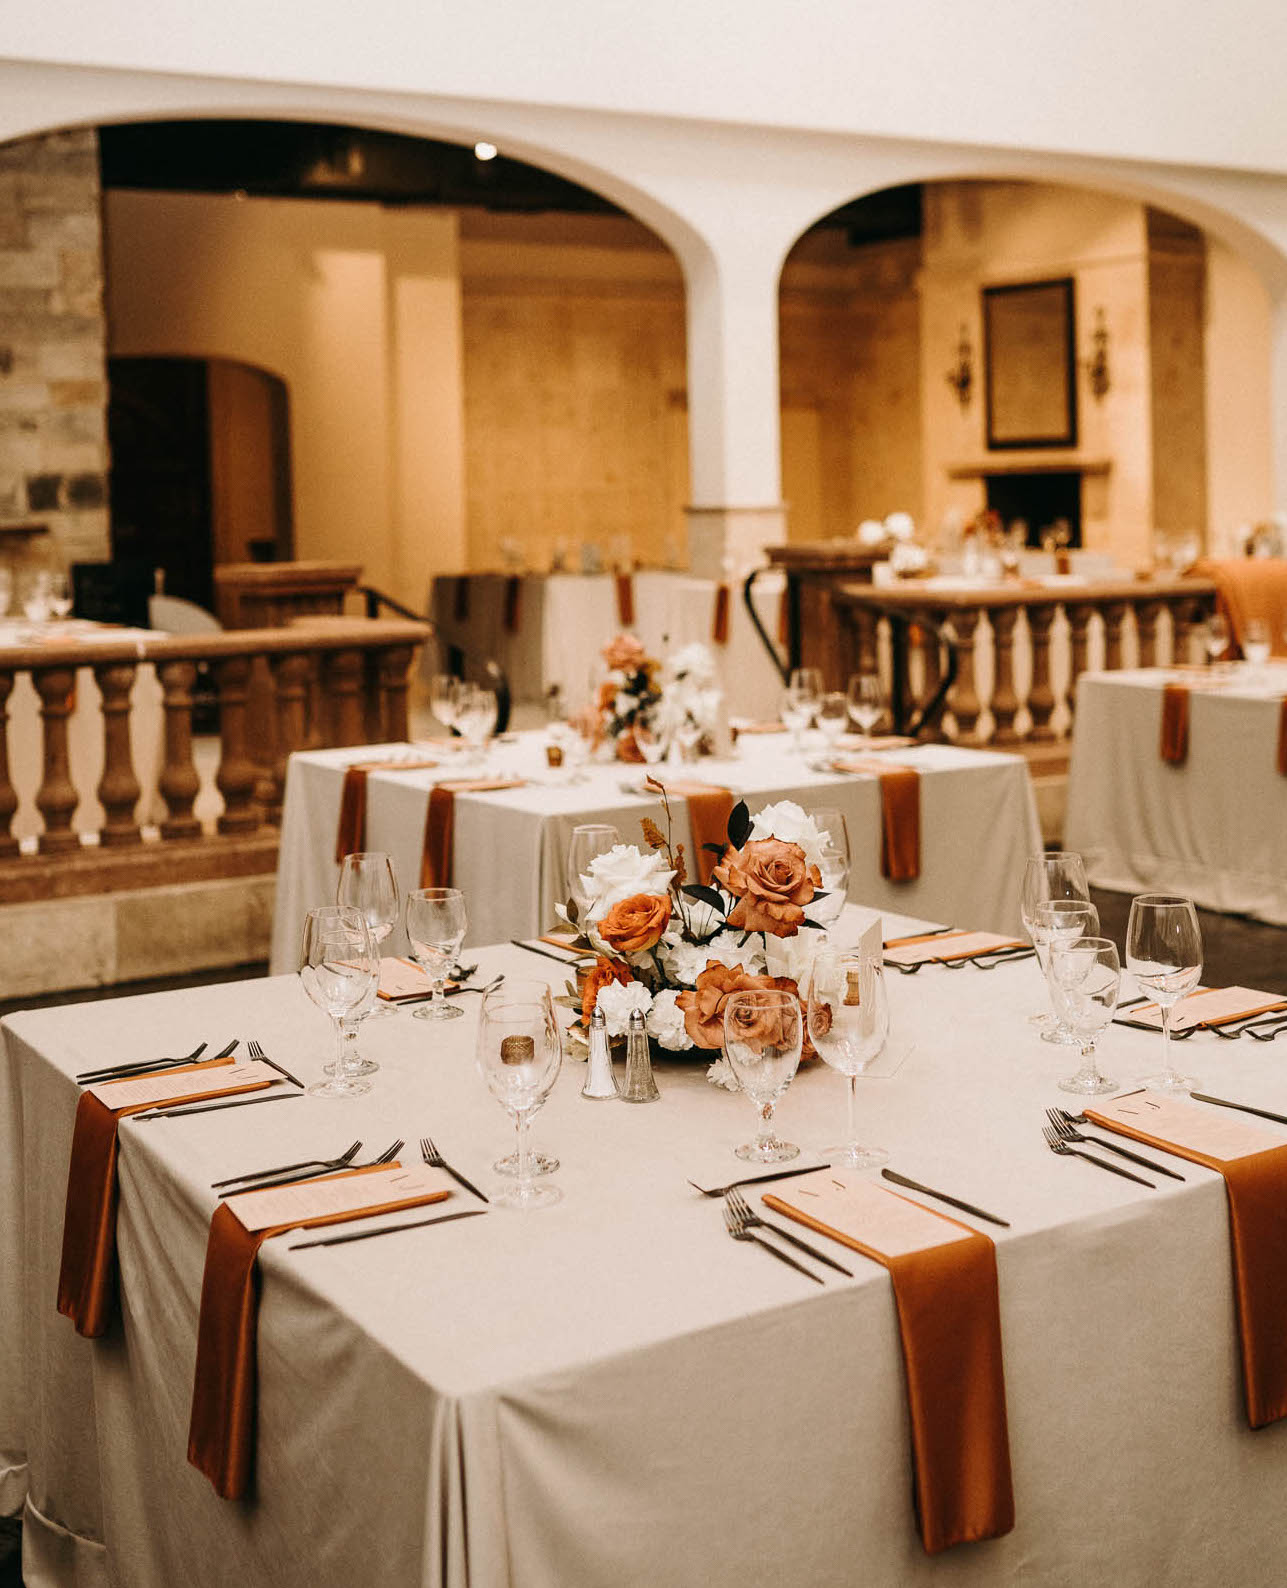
{"x":1278,"y":398}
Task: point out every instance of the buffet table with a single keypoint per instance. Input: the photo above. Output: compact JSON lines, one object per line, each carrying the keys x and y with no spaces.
{"x":978,"y":826}
{"x":610,"y":1391}
{"x":1211,"y":828}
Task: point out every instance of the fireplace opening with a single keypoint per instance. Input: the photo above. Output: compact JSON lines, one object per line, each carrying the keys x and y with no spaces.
{"x":1040,"y":500}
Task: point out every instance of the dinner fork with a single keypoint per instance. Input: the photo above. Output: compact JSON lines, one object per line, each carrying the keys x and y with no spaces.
{"x":1000,"y":957}
{"x":1057,"y":1144}
{"x":114,"y":1072}
{"x":750,"y":1219}
{"x":1069,"y":1132}
{"x":386,"y":1156}
{"x":257,"y":1053}
{"x":736,"y":1230}
{"x":342,"y":1162}
{"x":435,"y":1160}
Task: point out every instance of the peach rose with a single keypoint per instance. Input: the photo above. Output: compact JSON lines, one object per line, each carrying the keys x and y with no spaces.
{"x":628,"y":747}
{"x":624,"y":654}
{"x":602,"y":973}
{"x":821,"y":1015}
{"x":770,"y":880}
{"x":636,"y":923}
{"x":703,"y":1008}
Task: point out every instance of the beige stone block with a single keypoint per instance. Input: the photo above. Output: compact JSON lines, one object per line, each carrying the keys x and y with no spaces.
{"x":81,"y":359}
{"x":24,"y":267}
{"x":28,"y":395}
{"x":78,"y":394}
{"x":58,"y":944}
{"x":171,"y":931}
{"x":63,"y":194}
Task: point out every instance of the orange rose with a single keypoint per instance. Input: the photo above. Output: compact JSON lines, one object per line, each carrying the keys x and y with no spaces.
{"x":602,"y":973}
{"x":822,"y":1017}
{"x":703,"y":1008}
{"x":628,"y":747}
{"x":624,"y":654}
{"x":770,"y":880}
{"x":636,"y":923}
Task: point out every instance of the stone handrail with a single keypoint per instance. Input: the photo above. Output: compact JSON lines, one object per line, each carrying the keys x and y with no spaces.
{"x":269,"y":700}
{"x":994,"y":611}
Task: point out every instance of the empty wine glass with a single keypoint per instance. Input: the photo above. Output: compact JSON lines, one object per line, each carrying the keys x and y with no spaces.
{"x":1084,"y":978}
{"x":339,"y":968}
{"x":60,"y":600}
{"x":1057,"y":922}
{"x":34,"y":596}
{"x":1164,"y":953}
{"x":368,"y":883}
{"x":525,"y":990}
{"x":1216,"y":638}
{"x":866,"y":701}
{"x":796,"y":711}
{"x":443,"y":689}
{"x":808,"y":680}
{"x":1255,"y":643}
{"x":476,"y":713}
{"x":519,"y":1057}
{"x":832,"y":718}
{"x":762,"y":1039}
{"x":1053,"y":874}
{"x":436,"y":925}
{"x":834,"y":865}
{"x":587,"y":843}
{"x":848,"y":1018}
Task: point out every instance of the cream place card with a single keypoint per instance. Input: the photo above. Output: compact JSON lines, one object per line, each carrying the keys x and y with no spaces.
{"x":346,"y":1193}
{"x":1216,"y":1132}
{"x":860,"y":1213}
{"x":167,"y":1087}
{"x":402,"y":978}
{"x":1210,"y":1006}
{"x":949,"y":945}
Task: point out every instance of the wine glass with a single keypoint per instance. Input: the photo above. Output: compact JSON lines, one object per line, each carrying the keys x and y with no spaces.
{"x":519,"y":1055}
{"x":1084,"y":978}
{"x":443,"y":688}
{"x":762,"y":1039}
{"x":1164,"y":953}
{"x":832,"y":718}
{"x":1053,"y":874}
{"x":435,"y":929}
{"x":796,"y":711}
{"x":808,"y":680}
{"x":834,"y":865}
{"x":1216,"y":638}
{"x":848,"y":1016}
{"x":525,"y":990}
{"x":60,"y":600}
{"x":1057,"y":922}
{"x":866,"y":701}
{"x":476,"y":711}
{"x":587,"y":843}
{"x":1255,"y":643}
{"x":368,"y":883}
{"x":339,"y":969}
{"x":35,"y":596}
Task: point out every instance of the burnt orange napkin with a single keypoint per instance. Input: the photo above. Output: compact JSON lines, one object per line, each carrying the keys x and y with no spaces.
{"x":1174,"y":745}
{"x":719,"y":621}
{"x":900,"y":816}
{"x":1282,"y":737}
{"x":513,"y":603}
{"x":87,"y":1277}
{"x":1256,"y":1188}
{"x":949,"y":1322}
{"x":350,"y":829}
{"x":221,"y":1433}
{"x":625,"y":600}
{"x":709,"y":808}
{"x":440,"y":823}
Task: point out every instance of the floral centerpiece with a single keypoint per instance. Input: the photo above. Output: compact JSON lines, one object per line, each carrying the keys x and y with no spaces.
{"x":675,"y":950}
{"x":688,"y":713}
{"x":632,"y":685}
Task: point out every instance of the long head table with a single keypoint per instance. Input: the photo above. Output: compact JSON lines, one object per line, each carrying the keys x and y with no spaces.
{"x":978,"y":825}
{"x":610,"y":1391}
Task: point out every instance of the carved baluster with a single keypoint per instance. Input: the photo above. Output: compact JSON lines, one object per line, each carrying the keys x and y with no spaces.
{"x":1114,"y":623}
{"x":237,"y":773}
{"x":343,"y":680}
{"x":1146,"y":616}
{"x":1079,"y":616}
{"x":292,"y":672}
{"x":1005,"y":703}
{"x":393,"y":666}
{"x":1041,"y":698}
{"x":56,"y":798}
{"x":8,"y":794}
{"x":179,"y":782}
{"x":118,"y":788}
{"x":964,"y":697}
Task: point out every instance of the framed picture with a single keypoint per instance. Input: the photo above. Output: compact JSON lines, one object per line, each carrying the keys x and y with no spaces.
{"x":1030,"y":373}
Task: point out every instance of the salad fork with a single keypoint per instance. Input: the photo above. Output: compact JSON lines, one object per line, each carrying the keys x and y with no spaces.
{"x":1069,"y":1132}
{"x":735,"y":1229}
{"x":386,"y":1156}
{"x":435,"y":1160}
{"x":115,"y":1072}
{"x":1058,"y":1145}
{"x":746,"y":1216}
{"x":320,"y":1164}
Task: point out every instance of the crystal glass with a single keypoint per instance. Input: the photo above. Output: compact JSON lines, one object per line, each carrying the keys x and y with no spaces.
{"x":808,"y":681}
{"x":832,"y":717}
{"x":587,"y":843}
{"x":1255,"y":643}
{"x":1085,"y":977}
{"x":1164,"y":953}
{"x":339,"y":967}
{"x":1059,"y":921}
{"x":1053,"y":874}
{"x":866,"y":701}
{"x":834,"y":866}
{"x":796,"y":711}
{"x":34,"y":596}
{"x":848,"y":1017}
{"x":762,"y":1039}
{"x":60,"y":600}
{"x":476,"y":712}
{"x":443,"y":688}
{"x":519,"y":1055}
{"x":1216,"y":638}
{"x":368,"y":883}
{"x":525,"y":990}
{"x":436,"y":925}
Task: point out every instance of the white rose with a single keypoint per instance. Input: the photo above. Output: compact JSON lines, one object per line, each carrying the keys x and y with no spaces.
{"x":793,"y":825}
{"x":694,"y":664}
{"x":721,"y":1074}
{"x":666,"y":1022}
{"x":794,"y":956}
{"x":900,"y":526}
{"x":684,"y":962}
{"x":616,"y":1002}
{"x":621,"y":873}
{"x":871,"y":532}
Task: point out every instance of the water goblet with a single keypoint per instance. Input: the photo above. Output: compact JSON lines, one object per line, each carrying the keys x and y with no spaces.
{"x":848,"y":1019}
{"x":832,"y":718}
{"x":588,"y":842}
{"x":866,"y":701}
{"x":796,"y":711}
{"x":1255,"y":644}
{"x":34,"y":596}
{"x":834,"y":865}
{"x":443,"y":689}
{"x":1164,"y":953}
{"x":518,"y":1056}
{"x":808,"y":680}
{"x":1059,"y":921}
{"x":339,"y":969}
{"x":762,"y":1040}
{"x":60,"y":599}
{"x":1053,"y":874}
{"x":436,"y":925}
{"x":368,"y":883}
{"x":1216,"y":638}
{"x":525,"y":990}
{"x":1085,"y":977}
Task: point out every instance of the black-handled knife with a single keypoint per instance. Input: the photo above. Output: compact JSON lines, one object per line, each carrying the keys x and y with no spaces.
{"x":1125,"y":1152}
{"x":386,"y":1229}
{"x":1245,"y":1108}
{"x":929,"y":1191}
{"x":215,"y":1107}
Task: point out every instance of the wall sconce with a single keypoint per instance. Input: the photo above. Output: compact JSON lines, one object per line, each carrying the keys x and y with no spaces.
{"x":961,"y":376}
{"x":1097,"y":372}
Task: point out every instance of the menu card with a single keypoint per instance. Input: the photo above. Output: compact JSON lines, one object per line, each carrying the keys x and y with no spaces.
{"x":947,"y":945}
{"x":345,"y":1193}
{"x":403,"y":978}
{"x":1210,"y":1006}
{"x":860,"y":1213}
{"x":167,"y":1087}
{"x":1216,"y":1132}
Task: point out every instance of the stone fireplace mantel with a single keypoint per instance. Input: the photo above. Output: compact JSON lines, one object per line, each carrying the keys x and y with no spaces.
{"x":1028,"y":463}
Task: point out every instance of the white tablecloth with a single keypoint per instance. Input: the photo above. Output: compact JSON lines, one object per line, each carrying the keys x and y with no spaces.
{"x":610,"y":1391}
{"x":1213,"y":829}
{"x":978,"y":825}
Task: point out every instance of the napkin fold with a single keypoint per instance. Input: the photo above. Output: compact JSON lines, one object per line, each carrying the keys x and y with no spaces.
{"x":221,"y":1433}
{"x":625,"y":600}
{"x":440,"y":824}
{"x":87,"y":1275}
{"x":513,"y":603}
{"x":719,"y":619}
{"x":1174,"y":745}
{"x":709,"y":808}
{"x":1256,"y":1188}
{"x":350,"y":828}
{"x":900,"y":815}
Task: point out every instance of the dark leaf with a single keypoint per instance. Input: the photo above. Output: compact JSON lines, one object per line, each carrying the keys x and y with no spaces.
{"x":739,"y":825}
{"x":817,"y":925}
{"x":695,"y":890}
{"x":715,"y":849}
{"x":574,"y":915}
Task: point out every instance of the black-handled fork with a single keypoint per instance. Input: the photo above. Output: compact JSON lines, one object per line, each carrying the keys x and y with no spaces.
{"x":751,"y":1220}
{"x":321,"y":1165}
{"x":1069,"y":1132}
{"x":386,"y":1156}
{"x":735,"y":1229}
{"x":1058,"y":1145}
{"x":435,"y":1160}
{"x":120,"y":1072}
{"x":260,"y":1057}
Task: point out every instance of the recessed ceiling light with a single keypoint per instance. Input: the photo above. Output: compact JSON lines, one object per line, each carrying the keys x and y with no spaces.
{"x":485,"y":151}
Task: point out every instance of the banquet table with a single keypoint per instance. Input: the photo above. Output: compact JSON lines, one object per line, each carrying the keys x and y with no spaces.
{"x":610,"y":1391}
{"x":978,"y":826}
{"x":1213,"y":828}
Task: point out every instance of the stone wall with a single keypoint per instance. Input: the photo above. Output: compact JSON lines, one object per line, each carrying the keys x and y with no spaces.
{"x":53,"y":381}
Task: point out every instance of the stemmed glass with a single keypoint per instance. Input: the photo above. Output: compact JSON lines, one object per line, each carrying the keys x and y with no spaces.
{"x":833,"y":718}
{"x":525,"y":990}
{"x":1084,"y":978}
{"x":369,"y":885}
{"x":435,"y":929}
{"x":1164,"y":953}
{"x":1255,"y":644}
{"x":834,"y":866}
{"x":1057,"y":922}
{"x":476,"y":712}
{"x":587,"y":843}
{"x":35,"y":596}
{"x":60,"y":600}
{"x":443,"y":690}
{"x":1217,"y":637}
{"x":762,"y":1040}
{"x":866,"y":702}
{"x":1054,"y":874}
{"x":796,"y":710}
{"x":848,"y":1017}
{"x":339,"y":968}
{"x":519,"y":1055}
{"x":808,"y":680}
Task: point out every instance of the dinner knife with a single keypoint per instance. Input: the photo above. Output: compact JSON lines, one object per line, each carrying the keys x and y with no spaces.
{"x":206,"y":1108}
{"x":387,"y":1229}
{"x":1245,"y":1108}
{"x":965,"y":1207}
{"x":545,"y":953}
{"x":757,"y":1179}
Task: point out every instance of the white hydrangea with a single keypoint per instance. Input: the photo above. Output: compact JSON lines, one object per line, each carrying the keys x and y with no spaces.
{"x":793,"y":825}
{"x":617,"y":1001}
{"x":695,"y":665}
{"x":721,"y":1074}
{"x":684,"y":962}
{"x":620,"y":874}
{"x":794,"y":956}
{"x":666,"y":1022}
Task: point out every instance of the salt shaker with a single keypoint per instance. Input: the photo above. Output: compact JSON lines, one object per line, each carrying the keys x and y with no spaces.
{"x":600,"y":1083}
{"x":639,"y":1085}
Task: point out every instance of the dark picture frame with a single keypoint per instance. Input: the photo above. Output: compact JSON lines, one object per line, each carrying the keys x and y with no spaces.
{"x":1030,"y":371}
